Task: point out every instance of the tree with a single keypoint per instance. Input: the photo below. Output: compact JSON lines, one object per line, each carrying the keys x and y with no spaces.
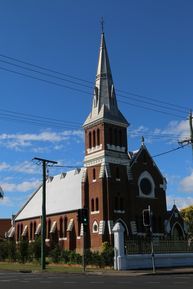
{"x":187,"y":215}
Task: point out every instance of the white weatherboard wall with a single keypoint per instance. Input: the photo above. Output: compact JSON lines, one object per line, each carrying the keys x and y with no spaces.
{"x":63,"y":193}
{"x":144,"y":261}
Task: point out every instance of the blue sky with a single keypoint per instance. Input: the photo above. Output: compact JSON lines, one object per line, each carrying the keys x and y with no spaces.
{"x":150,"y":48}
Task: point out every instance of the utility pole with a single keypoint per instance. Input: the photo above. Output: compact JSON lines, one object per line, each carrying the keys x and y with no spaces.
{"x":43,"y":219}
{"x":1,"y":193}
{"x":190,"y":139}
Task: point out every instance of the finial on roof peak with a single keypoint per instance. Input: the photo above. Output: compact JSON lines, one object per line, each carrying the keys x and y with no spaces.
{"x":142,"y":140}
{"x":102,"y":24}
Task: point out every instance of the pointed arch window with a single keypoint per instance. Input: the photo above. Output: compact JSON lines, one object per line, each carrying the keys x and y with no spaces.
{"x":121,"y":204}
{"x":89,"y":140}
{"x":34,"y":230}
{"x":97,"y":204}
{"x":120,"y":138}
{"x":18,"y":232}
{"x":61,"y":228}
{"x":115,"y":136}
{"x":31,"y":231}
{"x":65,"y":226}
{"x":98,"y":136}
{"x":92,"y":205}
{"x":116,"y":203}
{"x":95,"y":227}
{"x":21,"y":229}
{"x":94,"y":138}
{"x":48,"y":228}
{"x":117,"y":174}
{"x":110,"y":136}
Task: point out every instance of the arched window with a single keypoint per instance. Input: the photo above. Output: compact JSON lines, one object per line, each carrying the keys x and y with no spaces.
{"x":110,"y":136}
{"x":115,"y":136}
{"x":18,"y":232}
{"x":95,"y":227}
{"x":89,"y":140}
{"x":21,"y":229}
{"x":61,"y":228}
{"x":97,"y":204}
{"x":31,"y":231}
{"x":65,"y":226}
{"x":120,"y":138}
{"x":117,"y":174}
{"x":98,"y":136}
{"x":116,"y":203}
{"x":34,"y":230}
{"x":92,"y":205}
{"x":49,"y":228}
{"x":94,"y":138}
{"x":94,"y":174}
{"x":121,"y":204}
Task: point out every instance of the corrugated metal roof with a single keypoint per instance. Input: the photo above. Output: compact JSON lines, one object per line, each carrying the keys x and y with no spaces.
{"x":62,"y":194}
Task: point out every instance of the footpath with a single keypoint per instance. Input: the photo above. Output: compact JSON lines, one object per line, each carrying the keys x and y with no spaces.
{"x":159,"y":271}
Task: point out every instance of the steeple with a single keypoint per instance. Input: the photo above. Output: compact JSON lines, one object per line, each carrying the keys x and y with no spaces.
{"x":104,"y":106}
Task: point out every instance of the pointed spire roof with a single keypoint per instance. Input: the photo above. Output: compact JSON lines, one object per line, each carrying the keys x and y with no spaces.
{"x":104,"y":106}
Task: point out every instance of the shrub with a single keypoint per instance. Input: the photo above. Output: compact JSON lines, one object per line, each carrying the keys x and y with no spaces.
{"x":55,"y":254}
{"x":23,"y":252}
{"x":3,"y":250}
{"x":12,"y":251}
{"x":107,"y":254}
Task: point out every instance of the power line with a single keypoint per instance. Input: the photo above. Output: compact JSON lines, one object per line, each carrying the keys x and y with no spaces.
{"x":170,"y":151}
{"x":137,"y":97}
{"x":86,"y":92}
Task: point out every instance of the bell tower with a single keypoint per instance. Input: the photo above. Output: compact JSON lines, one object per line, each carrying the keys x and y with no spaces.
{"x":106,"y":159}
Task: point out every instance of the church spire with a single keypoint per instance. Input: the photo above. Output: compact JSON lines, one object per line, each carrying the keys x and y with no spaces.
{"x":104,"y":106}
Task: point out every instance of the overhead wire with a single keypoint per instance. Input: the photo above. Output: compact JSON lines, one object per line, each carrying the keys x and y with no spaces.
{"x":136,"y":98}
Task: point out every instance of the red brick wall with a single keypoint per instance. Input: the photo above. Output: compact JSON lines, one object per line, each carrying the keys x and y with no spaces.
{"x":5,"y":225}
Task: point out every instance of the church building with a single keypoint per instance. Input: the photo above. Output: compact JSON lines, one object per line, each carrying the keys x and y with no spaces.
{"x":115,"y":185}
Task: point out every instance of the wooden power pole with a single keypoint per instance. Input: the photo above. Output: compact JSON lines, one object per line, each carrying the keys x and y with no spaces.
{"x":190,"y":139}
{"x":43,"y":220}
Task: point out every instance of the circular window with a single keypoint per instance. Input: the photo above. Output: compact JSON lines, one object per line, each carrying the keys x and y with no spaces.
{"x":146,"y":186}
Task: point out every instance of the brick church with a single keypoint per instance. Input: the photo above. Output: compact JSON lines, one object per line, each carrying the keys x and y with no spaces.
{"x":114,"y":185}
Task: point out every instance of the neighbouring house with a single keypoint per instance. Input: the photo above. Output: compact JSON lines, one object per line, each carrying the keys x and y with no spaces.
{"x":5,"y":225}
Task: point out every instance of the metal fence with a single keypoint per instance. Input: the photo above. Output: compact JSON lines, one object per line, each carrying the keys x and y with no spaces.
{"x":160,"y":246}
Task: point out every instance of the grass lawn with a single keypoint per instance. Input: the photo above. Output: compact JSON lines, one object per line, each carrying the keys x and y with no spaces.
{"x":36,"y":267}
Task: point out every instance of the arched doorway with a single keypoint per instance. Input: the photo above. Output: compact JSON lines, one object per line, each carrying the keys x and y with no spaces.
{"x":177,"y":232}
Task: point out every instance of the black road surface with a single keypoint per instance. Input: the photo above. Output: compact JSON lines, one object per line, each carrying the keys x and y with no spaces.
{"x":9,"y":280}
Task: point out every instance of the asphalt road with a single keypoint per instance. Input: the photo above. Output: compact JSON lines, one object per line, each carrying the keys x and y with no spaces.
{"x":14,"y":280}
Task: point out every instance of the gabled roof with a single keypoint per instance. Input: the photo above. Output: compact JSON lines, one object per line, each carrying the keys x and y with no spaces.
{"x":63,"y":193}
{"x":104,"y":105}
{"x":136,"y":154}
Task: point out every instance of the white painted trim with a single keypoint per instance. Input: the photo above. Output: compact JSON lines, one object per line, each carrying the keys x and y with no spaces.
{"x":94,"y":212}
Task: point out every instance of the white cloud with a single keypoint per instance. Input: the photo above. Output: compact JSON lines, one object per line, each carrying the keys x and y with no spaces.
{"x":21,"y":187}
{"x":4,"y":166}
{"x":26,"y":140}
{"x":180,"y":202}
{"x":186,"y":184}
{"x":173,"y":132}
